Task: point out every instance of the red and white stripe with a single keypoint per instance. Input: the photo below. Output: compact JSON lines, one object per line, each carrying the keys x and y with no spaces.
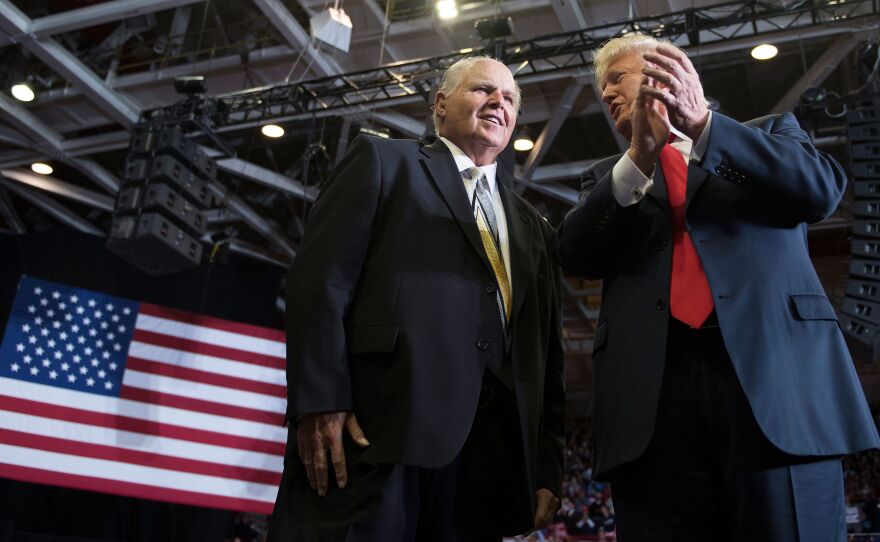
{"x":198,"y":421}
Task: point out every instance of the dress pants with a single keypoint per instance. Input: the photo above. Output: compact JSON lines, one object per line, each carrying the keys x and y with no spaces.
{"x":468,"y":500}
{"x":709,"y":473}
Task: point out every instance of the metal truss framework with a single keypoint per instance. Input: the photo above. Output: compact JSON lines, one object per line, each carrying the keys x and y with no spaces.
{"x":414,"y":80}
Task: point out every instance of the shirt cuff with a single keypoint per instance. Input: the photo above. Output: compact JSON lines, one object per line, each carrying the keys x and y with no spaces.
{"x":628,"y":184}
{"x":699,"y":148}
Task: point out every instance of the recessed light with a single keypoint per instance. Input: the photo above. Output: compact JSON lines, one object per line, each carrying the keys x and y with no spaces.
{"x":272,"y":130}
{"x":22,"y":92}
{"x":41,"y":168}
{"x":765,"y":51}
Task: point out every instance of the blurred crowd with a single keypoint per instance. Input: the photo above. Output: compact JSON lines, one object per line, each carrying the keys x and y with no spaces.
{"x":587,"y":511}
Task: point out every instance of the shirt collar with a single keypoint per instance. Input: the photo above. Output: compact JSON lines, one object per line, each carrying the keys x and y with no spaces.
{"x":463,"y":162}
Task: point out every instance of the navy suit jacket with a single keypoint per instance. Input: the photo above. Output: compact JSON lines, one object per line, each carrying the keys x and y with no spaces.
{"x":748,"y":205}
{"x":392,"y":313}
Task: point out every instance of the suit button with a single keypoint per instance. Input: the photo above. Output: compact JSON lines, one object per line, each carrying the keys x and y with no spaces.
{"x":490,"y":288}
{"x":662,"y":244}
{"x":661,"y":304}
{"x":482,"y":344}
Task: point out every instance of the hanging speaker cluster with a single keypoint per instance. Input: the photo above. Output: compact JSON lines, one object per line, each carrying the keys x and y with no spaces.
{"x":158,"y":220}
{"x":860,"y":309}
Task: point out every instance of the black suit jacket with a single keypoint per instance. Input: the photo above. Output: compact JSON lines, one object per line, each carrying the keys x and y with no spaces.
{"x":748,"y":205}
{"x":392,"y":311}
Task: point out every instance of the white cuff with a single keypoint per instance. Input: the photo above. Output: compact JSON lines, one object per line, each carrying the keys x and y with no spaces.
{"x":628,"y":184}
{"x":699,"y":148}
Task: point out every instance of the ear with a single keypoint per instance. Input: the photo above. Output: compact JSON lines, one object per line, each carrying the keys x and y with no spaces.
{"x":440,"y":105}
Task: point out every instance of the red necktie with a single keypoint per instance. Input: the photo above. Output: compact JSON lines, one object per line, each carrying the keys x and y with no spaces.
{"x":690,"y":299}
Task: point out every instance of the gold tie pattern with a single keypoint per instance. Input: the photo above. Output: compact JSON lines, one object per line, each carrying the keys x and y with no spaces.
{"x":484,"y":214}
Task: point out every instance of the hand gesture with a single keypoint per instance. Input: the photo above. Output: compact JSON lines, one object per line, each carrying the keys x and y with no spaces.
{"x":319,"y":433}
{"x":681,"y":91}
{"x":650,"y":129}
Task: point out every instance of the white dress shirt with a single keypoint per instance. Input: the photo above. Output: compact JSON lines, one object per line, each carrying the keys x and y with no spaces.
{"x":629,"y":185}
{"x":462,"y":162}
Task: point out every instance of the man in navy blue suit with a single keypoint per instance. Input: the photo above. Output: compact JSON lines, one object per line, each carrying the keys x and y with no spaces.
{"x":724,"y":395}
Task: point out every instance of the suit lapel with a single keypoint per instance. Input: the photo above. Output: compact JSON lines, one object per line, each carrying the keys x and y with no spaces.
{"x":696,"y":177}
{"x":520,"y":234}
{"x":441,"y":168}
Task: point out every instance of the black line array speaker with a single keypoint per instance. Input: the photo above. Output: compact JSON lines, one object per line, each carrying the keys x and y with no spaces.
{"x":158,"y":220}
{"x":860,"y":308}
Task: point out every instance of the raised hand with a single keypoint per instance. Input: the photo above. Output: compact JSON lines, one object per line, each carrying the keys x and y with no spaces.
{"x":650,"y":129}
{"x":681,"y":91}
{"x":319,"y":433}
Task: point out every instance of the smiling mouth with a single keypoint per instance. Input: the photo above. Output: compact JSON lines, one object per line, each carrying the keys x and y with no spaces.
{"x":493,"y":120}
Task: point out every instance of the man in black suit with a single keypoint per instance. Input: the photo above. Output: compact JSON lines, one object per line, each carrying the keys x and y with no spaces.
{"x":425,"y":370}
{"x":724,"y":394}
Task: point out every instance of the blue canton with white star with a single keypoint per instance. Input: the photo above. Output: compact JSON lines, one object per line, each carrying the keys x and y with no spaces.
{"x":67,"y":337}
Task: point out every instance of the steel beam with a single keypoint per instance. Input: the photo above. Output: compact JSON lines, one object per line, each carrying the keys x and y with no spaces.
{"x":96,"y":172}
{"x":259,"y":253}
{"x":29,"y":125}
{"x":400,"y":122}
{"x":7,"y":209}
{"x":561,"y":112}
{"x":253,"y":219}
{"x":818,"y":72}
{"x":61,"y":188}
{"x":296,"y":36}
{"x":50,"y":143}
{"x":258,"y":174}
{"x":120,"y":108}
{"x":570,"y":15}
{"x":552,"y":173}
{"x":105,"y":12}
{"x":372,"y":7}
{"x":554,"y":190}
{"x":52,"y":207}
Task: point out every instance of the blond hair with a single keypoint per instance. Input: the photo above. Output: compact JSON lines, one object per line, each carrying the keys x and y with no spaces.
{"x":453,"y":76}
{"x":630,"y":43}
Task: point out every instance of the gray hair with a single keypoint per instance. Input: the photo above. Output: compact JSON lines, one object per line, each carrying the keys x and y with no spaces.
{"x":453,"y":76}
{"x":630,"y":43}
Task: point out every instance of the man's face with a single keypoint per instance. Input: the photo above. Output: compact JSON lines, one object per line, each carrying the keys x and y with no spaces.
{"x":620,"y":87}
{"x":479,"y":115}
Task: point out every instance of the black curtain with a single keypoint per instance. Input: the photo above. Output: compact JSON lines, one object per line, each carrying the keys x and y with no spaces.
{"x":240,"y":289}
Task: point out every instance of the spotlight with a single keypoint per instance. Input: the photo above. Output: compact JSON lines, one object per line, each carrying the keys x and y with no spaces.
{"x":22,"y":92}
{"x":41,"y":168}
{"x":446,"y":9}
{"x":523,"y":142}
{"x":765,"y":51}
{"x":813,"y":95}
{"x":272,"y":130}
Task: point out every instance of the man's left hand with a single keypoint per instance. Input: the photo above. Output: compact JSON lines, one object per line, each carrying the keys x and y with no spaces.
{"x":547,"y":503}
{"x":683,"y":93}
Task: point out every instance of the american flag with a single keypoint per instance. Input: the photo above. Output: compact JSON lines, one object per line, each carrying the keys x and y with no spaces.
{"x":108,"y":394}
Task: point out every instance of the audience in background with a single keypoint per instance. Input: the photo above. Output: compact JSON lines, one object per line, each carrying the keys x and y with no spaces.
{"x":587,"y":511}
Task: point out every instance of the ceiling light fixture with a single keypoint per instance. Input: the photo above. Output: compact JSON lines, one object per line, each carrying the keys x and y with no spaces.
{"x":523,"y":142}
{"x":272,"y":130}
{"x":765,"y":51}
{"x":22,"y":92}
{"x":41,"y":168}
{"x":446,"y":9}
